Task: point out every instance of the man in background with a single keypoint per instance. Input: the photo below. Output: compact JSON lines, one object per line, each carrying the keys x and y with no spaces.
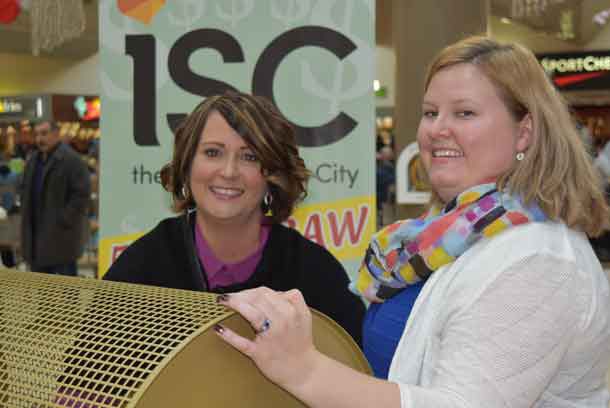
{"x":54,"y":198}
{"x":385,"y":180}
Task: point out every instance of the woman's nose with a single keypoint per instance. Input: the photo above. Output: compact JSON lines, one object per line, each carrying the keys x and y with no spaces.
{"x":229,"y":167}
{"x":441,"y":127}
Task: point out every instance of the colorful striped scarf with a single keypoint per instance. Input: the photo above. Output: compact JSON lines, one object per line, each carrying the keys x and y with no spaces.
{"x":408,"y":251}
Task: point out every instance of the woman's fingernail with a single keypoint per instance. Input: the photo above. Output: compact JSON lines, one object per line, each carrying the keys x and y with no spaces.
{"x":222,"y":298}
{"x":219,"y":329}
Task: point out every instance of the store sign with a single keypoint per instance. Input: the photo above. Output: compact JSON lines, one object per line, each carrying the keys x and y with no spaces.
{"x":578,"y":71}
{"x":87,"y":108}
{"x":14,"y":108}
{"x":312,"y":58}
{"x":8,"y":106}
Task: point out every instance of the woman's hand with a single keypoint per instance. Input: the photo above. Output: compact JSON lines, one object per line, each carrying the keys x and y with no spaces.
{"x":283,"y":350}
{"x":283,"y":347}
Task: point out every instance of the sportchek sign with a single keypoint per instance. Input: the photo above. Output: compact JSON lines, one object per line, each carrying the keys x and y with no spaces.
{"x":578,"y":71}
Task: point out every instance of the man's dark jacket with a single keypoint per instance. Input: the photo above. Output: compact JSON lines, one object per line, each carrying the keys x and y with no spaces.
{"x":61,"y":210}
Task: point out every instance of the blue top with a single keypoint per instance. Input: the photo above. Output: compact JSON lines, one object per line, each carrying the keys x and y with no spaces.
{"x":383,"y":326}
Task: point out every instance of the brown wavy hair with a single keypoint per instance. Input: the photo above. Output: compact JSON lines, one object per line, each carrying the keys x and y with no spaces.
{"x":265,"y":131}
{"x":557,"y":171}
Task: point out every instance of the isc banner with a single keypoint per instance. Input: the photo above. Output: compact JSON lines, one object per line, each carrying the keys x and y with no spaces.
{"x":313,"y":58}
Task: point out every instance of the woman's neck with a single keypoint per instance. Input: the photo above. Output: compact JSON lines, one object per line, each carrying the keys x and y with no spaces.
{"x":231,"y":241}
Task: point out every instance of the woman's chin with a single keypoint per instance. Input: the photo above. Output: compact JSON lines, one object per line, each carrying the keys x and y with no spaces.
{"x":445,"y":183}
{"x":230,"y":216}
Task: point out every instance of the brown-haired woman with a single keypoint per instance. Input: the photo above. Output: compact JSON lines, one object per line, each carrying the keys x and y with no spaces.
{"x":235,"y":175}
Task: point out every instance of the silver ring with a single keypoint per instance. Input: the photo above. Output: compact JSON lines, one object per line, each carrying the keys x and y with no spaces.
{"x":264,"y":327}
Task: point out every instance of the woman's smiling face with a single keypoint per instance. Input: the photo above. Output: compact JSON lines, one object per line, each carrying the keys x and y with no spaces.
{"x":467,"y":136}
{"x":225,"y":178}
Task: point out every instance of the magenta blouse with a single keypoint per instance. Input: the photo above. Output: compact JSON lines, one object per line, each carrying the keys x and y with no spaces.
{"x":219,"y":273}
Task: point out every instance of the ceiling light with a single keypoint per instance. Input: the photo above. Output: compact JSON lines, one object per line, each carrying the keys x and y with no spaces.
{"x":602,"y":17}
{"x":531,"y":8}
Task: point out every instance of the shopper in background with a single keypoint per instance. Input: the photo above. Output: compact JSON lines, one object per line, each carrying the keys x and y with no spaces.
{"x":514,"y":309}
{"x":385,"y":178}
{"x":9,"y":181}
{"x":24,"y":140}
{"x":236,"y":174}
{"x":55,"y":199}
{"x":8,"y":177}
{"x":602,"y":162}
{"x":601,"y":244}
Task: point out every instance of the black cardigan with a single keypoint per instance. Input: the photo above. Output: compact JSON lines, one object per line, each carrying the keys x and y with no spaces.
{"x":167,"y":257}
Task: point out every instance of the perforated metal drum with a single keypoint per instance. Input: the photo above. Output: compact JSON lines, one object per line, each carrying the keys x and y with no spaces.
{"x":84,"y":343}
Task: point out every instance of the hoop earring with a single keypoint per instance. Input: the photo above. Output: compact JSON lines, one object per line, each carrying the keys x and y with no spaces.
{"x":267,"y":200}
{"x":185,"y":192}
{"x":520,"y":156}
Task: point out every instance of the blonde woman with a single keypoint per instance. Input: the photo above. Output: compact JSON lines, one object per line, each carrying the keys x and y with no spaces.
{"x":502,"y":300}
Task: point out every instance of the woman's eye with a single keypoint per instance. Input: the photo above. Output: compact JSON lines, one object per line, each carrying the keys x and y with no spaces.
{"x":430,"y":114}
{"x":251,"y":157}
{"x":465,"y":113}
{"x":211,"y":152}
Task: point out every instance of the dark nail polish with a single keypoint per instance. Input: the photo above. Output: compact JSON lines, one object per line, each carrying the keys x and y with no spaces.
{"x":222,"y":298}
{"x":219,"y":329}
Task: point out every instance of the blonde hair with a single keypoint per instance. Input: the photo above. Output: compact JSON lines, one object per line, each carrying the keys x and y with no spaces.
{"x":557,"y":172}
{"x":264,"y":129}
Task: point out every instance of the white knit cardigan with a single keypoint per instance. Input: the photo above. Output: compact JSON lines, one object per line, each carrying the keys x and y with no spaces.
{"x":519,"y":320}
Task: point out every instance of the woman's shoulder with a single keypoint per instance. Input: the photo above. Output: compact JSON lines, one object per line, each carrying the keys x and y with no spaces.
{"x":291,"y":247}
{"x":521,"y":257}
{"x":165,"y":231}
{"x":313,"y":269}
{"x":150,"y":247}
{"x":544,"y":246}
{"x":169,"y":225}
{"x":549,"y":238}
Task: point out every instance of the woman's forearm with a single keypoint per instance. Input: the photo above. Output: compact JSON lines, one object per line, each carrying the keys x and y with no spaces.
{"x":332,"y":384}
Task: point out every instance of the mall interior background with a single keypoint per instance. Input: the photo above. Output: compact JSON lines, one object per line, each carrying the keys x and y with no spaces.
{"x":408,"y":33}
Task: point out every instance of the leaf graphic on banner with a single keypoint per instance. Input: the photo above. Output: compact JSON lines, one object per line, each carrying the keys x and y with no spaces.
{"x":322,"y":13}
{"x":112,"y":38}
{"x":112,"y":35}
{"x":360,"y":59}
{"x":140,"y":10}
{"x":114,"y":91}
{"x":236,"y":14}
{"x":290,"y":11}
{"x":190,"y":12}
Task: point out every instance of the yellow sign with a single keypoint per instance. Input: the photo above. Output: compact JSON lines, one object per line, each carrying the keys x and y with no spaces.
{"x":110,"y":248}
{"x":342,"y":226}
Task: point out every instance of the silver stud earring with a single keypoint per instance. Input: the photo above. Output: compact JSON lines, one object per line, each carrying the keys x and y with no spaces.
{"x":520,"y":156}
